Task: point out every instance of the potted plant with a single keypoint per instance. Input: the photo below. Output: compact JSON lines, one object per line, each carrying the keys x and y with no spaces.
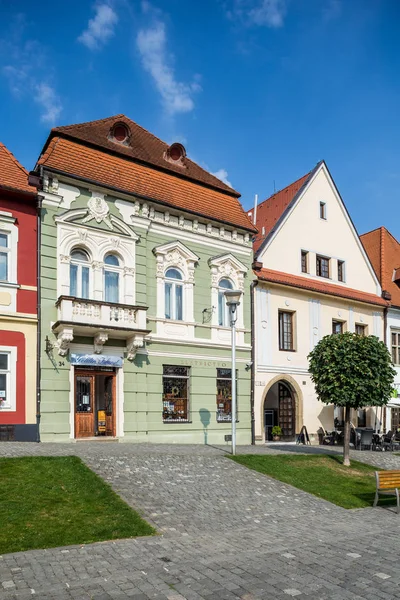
{"x":276,"y":433}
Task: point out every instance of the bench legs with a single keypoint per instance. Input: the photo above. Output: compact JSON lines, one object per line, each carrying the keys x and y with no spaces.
{"x":376,"y":498}
{"x":398,"y":501}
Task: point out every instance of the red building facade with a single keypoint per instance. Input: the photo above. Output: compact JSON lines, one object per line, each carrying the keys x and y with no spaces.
{"x":18,"y":301}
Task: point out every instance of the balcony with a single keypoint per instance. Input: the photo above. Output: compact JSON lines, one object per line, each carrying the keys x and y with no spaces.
{"x":100,"y":320}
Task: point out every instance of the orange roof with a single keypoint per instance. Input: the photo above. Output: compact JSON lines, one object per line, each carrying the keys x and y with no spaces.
{"x":119,"y":173}
{"x":318,"y":286}
{"x":13,"y":176}
{"x":384,"y":253}
{"x":270,"y":210}
{"x":142,"y":146}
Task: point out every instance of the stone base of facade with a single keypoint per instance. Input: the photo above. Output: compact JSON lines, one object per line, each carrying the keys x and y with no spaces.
{"x":18,"y":433}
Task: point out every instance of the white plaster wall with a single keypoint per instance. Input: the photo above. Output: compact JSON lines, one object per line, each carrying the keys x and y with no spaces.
{"x":313,"y":319}
{"x":333,"y":237}
{"x":393,"y":322}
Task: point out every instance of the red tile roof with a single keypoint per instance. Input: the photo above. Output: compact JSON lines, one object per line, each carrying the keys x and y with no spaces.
{"x":143,"y":146}
{"x":318,"y":286}
{"x":384,"y":253}
{"x":13,"y":176}
{"x":71,"y":157}
{"x":270,"y":210}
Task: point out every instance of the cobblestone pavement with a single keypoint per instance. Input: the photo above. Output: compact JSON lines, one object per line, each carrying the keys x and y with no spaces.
{"x":226,"y":533}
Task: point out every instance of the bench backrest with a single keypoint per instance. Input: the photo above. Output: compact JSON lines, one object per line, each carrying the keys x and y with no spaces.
{"x":387,"y":479}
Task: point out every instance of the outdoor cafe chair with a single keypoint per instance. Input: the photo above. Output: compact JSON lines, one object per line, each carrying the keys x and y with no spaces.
{"x":387,"y":441}
{"x":365,"y":440}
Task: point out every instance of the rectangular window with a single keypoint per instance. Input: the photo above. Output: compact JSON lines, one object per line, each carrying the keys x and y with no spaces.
{"x":362,"y":417}
{"x":337,"y":327}
{"x":175,"y":393}
{"x":224,"y":395}
{"x":5,"y":374}
{"x":340,"y":270}
{"x":322,"y":210}
{"x":361,"y":329}
{"x":304,"y":261}
{"x":4,"y":254}
{"x":111,"y":282}
{"x":395,"y":347}
{"x":323,"y":266}
{"x":286,"y":330}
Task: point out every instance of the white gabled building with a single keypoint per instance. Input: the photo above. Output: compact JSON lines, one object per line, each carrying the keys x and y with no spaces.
{"x":314,"y":278}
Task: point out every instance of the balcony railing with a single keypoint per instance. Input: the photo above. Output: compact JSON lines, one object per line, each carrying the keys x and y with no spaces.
{"x":103,"y":315}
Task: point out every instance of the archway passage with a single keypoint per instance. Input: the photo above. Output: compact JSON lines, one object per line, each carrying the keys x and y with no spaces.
{"x":280,"y":409}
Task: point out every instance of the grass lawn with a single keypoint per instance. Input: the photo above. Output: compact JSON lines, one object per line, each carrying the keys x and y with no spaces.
{"x":321,"y":475}
{"x":47,"y":502}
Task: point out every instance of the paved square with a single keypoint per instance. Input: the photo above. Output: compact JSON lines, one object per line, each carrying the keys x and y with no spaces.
{"x":226,"y":533}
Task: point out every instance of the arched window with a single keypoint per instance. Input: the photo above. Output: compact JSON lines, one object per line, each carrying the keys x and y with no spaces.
{"x":111,"y":278}
{"x":223,"y":311}
{"x":79,"y":274}
{"x":173,"y":295}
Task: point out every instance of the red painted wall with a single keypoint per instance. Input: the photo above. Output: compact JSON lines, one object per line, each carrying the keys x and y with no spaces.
{"x":17,"y":417}
{"x":24,"y":210}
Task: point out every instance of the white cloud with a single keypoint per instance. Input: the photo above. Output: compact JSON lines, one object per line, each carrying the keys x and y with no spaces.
{"x":101,"y":28}
{"x":222,"y":174}
{"x":264,"y":13}
{"x":177,"y":97}
{"x":47,"y":98}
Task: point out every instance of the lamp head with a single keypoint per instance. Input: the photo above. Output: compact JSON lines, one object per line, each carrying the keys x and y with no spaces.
{"x":233,"y":297}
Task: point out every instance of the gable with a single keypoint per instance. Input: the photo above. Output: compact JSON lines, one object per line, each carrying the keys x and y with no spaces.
{"x":384,"y":253}
{"x":302,"y":228}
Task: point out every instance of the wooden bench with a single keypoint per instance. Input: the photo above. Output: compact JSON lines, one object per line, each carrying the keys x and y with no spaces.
{"x":387,"y":483}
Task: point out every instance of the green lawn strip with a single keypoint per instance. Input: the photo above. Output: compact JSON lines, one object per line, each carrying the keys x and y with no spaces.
{"x":58,"y":501}
{"x":321,"y":475}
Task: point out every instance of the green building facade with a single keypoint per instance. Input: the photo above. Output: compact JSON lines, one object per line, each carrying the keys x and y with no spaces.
{"x":135,"y":338}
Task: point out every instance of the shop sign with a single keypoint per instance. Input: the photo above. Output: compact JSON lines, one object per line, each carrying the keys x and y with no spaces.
{"x":96,"y":360}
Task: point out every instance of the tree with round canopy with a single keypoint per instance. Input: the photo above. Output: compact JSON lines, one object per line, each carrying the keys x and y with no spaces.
{"x":352,"y":371}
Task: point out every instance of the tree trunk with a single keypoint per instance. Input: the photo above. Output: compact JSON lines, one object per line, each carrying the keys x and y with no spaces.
{"x":346,"y":440}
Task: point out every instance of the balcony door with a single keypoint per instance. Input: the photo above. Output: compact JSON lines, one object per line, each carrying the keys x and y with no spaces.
{"x":94,"y":403}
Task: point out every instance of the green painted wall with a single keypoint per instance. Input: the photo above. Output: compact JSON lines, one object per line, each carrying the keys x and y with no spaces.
{"x":142,"y":399}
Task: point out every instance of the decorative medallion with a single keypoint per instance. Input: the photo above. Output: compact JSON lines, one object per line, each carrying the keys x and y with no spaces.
{"x":98,"y":210}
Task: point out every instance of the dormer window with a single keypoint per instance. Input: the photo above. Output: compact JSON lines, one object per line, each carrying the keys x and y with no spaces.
{"x":175,"y":154}
{"x":119,"y":133}
{"x":322,"y":210}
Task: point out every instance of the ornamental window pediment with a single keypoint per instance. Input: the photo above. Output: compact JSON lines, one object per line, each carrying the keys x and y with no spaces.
{"x":227,"y":273}
{"x":94,"y":264}
{"x":175,"y":268}
{"x":229,"y":267}
{"x":176,"y":254}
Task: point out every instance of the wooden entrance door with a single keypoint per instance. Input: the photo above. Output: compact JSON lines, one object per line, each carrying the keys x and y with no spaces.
{"x":286,"y":412}
{"x":94,"y":403}
{"x":84,"y":405}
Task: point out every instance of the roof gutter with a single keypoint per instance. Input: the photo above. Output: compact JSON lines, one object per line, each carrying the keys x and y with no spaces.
{"x":148,"y":198}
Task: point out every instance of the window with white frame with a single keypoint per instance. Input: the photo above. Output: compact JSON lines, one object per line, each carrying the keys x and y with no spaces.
{"x":223,"y":310}
{"x":173,"y":294}
{"x":79,"y":274}
{"x":175,"y":393}
{"x":112,"y":268}
{"x":4,"y":256}
{"x":7,"y":378}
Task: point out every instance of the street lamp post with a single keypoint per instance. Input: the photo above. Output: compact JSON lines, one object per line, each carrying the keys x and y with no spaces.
{"x":233,"y":300}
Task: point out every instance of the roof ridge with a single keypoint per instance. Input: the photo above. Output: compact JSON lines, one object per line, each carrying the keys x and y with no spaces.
{"x":63,"y":127}
{"x":14,"y":159}
{"x":283,"y":189}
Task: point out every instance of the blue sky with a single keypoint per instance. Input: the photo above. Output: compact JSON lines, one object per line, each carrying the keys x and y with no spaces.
{"x":257,"y":90}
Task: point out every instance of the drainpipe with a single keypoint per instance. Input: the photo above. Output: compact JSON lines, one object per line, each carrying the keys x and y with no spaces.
{"x":384,"y":409}
{"x":253,"y":356}
{"x":38,"y":308}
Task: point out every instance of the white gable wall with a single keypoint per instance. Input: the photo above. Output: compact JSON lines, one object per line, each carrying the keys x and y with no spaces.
{"x":334,"y":238}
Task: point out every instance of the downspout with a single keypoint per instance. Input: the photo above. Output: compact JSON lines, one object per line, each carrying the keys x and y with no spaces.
{"x":384,"y":409}
{"x":253,"y":356}
{"x":39,"y":320}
